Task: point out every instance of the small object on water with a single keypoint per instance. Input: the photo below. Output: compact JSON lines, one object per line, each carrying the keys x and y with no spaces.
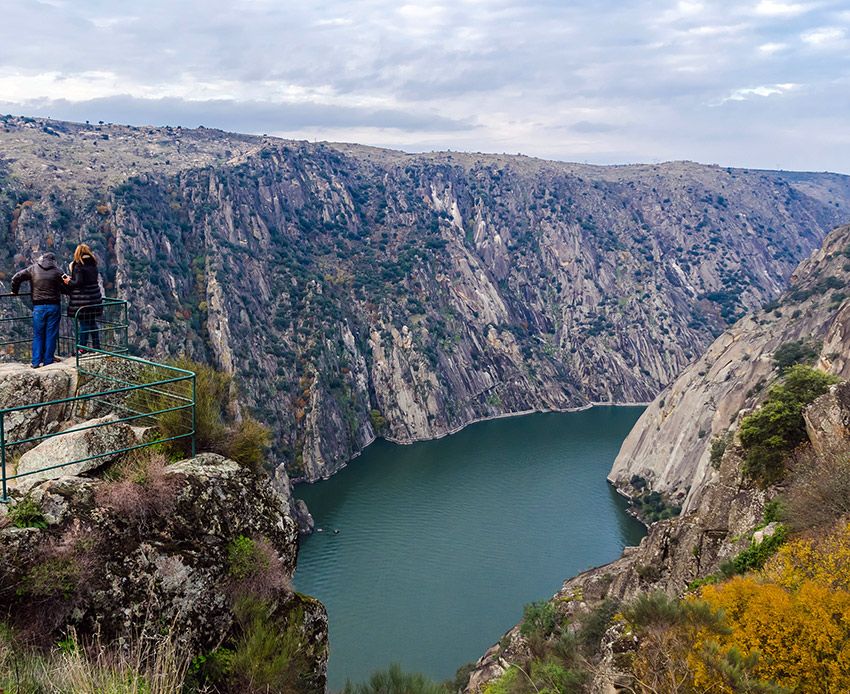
{"x":320,"y":530}
{"x":336,"y":531}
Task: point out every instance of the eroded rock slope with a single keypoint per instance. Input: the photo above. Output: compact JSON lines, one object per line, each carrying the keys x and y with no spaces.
{"x":358,"y":292}
{"x":671,"y":442}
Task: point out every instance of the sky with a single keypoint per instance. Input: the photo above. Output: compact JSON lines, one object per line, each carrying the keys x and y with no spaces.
{"x":751,"y":83}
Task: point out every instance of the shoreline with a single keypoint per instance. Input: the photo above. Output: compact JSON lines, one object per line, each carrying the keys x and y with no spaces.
{"x":461,"y":427}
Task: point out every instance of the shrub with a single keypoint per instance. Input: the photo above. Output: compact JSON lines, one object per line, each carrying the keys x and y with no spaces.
{"x":268,"y":655}
{"x":538,"y":619}
{"x":27,"y":514}
{"x":770,"y":433}
{"x":718,"y":448}
{"x":595,"y":623}
{"x":824,"y":560}
{"x":395,"y":681}
{"x":819,"y":491}
{"x":651,"y":506}
{"x":139,"y":490}
{"x":796,"y":352}
{"x":755,"y":556}
{"x":666,"y":629}
{"x":510,"y":683}
{"x":774,"y":510}
{"x":245,"y":441}
{"x":802,"y":633}
{"x":248,"y":443}
{"x":379,"y":422}
{"x":255,"y":568}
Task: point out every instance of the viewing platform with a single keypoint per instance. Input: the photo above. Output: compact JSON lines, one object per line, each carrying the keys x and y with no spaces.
{"x":89,"y":407}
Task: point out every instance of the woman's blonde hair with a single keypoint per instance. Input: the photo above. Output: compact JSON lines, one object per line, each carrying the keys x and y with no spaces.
{"x":82,"y":251}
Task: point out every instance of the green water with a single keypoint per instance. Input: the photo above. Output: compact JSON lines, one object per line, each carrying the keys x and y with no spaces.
{"x":441,"y":543}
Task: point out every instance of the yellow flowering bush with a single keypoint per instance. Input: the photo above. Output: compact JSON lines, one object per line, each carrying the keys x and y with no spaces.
{"x":792,"y":618}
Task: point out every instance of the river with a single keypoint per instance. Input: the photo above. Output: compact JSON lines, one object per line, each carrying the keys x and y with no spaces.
{"x":441,"y":543}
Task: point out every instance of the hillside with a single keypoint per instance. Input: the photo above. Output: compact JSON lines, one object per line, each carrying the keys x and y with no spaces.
{"x":759,"y":537}
{"x":670,"y":446}
{"x":357,"y":292}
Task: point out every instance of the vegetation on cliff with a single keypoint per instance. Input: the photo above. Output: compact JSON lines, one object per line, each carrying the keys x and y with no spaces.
{"x":776,"y":428}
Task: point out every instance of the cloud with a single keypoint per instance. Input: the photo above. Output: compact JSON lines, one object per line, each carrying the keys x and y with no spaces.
{"x":591,"y":79}
{"x":824,"y":36}
{"x":772,"y":8}
{"x":764,"y":90}
{"x":228,"y":114}
{"x":584,"y":126}
{"x":771,"y":48}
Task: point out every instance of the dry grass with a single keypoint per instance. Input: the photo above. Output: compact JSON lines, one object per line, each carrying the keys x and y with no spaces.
{"x":139,"y":489}
{"x":139,"y":667}
{"x":819,"y":492}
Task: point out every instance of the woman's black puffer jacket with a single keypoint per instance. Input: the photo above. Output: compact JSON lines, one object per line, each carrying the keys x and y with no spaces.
{"x":84,"y":288}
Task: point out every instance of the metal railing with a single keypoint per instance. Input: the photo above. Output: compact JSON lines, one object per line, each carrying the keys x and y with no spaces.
{"x":108,"y":328}
{"x":121,"y":402}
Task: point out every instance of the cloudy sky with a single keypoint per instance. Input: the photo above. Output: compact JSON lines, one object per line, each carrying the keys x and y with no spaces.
{"x":757,"y":83}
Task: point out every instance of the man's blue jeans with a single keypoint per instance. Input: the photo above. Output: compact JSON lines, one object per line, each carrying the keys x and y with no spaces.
{"x":45,"y":332}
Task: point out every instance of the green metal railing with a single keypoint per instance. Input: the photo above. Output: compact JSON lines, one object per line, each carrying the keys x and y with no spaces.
{"x":122,"y":402}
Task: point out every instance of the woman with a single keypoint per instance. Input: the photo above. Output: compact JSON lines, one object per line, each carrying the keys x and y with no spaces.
{"x":86,"y":301}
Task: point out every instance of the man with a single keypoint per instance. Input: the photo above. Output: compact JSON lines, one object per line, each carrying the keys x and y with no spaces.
{"x":45,"y":278}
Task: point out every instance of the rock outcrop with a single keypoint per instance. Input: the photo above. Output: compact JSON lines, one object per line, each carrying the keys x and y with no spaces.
{"x":85,"y":441}
{"x":670,"y":444}
{"x":20,"y":386}
{"x":126,"y":559}
{"x":358,"y":292}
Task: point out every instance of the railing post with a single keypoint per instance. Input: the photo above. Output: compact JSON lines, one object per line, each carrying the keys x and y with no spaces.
{"x":5,"y":497}
{"x":193,"y":416}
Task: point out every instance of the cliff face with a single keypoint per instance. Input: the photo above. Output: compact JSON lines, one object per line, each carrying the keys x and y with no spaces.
{"x":722,"y":506}
{"x":670,"y":444}
{"x":359,"y":292}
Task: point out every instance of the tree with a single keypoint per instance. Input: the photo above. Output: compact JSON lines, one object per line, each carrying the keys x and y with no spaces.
{"x":770,"y":433}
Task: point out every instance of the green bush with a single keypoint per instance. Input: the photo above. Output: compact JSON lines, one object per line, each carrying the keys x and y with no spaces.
{"x":770,"y":433}
{"x":754,"y":556}
{"x":268,"y":655}
{"x":594,"y":625}
{"x":379,"y":422}
{"x":718,"y":448}
{"x":27,"y":514}
{"x":651,"y":506}
{"x":245,"y":441}
{"x":395,"y":681}
{"x":242,"y":557}
{"x":248,"y":443}
{"x":538,"y":619}
{"x":797,"y":352}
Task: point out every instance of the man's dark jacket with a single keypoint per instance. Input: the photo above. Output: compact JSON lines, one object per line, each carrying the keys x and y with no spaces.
{"x":45,"y":278}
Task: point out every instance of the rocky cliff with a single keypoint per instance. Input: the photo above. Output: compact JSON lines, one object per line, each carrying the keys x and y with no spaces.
{"x":670,"y":446}
{"x":189,"y":550}
{"x":358,"y":292}
{"x":725,"y":508}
